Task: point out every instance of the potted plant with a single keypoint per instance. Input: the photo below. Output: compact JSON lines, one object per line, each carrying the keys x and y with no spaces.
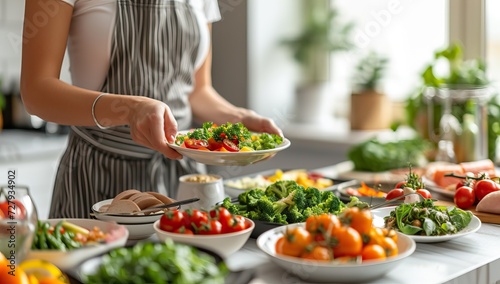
{"x":370,"y":107}
{"x":323,"y":33}
{"x":468,"y":78}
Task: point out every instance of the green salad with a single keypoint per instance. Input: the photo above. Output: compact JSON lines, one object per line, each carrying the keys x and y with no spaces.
{"x":160,"y":263}
{"x":232,"y":137}
{"x":425,"y":218}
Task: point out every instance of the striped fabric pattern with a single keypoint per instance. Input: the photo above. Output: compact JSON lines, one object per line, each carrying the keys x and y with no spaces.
{"x":154,"y":50}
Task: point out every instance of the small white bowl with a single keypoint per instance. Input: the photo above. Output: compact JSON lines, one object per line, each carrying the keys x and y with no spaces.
{"x":69,"y":259}
{"x":222,"y":244}
{"x":123,"y":219}
{"x":140,"y":231}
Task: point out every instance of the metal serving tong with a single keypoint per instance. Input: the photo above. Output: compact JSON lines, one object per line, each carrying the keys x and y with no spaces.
{"x":394,"y":200}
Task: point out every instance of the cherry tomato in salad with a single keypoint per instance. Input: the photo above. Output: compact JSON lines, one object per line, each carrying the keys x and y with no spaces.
{"x":395,"y":193}
{"x":171,"y":220}
{"x":400,"y":184}
{"x":213,"y":145}
{"x":230,"y":145}
{"x":424,"y":192}
{"x":464,"y":197}
{"x":196,"y":144}
{"x":485,"y":186}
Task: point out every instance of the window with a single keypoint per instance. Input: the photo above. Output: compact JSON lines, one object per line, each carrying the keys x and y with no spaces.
{"x":493,"y":40}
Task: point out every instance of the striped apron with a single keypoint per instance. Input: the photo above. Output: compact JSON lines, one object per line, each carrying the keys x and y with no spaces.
{"x":154,"y":48}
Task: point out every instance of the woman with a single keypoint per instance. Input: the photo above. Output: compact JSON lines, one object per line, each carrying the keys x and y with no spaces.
{"x":140,"y":72}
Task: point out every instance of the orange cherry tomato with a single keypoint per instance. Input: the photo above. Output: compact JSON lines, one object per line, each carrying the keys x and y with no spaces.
{"x":373,"y":252}
{"x":320,"y":253}
{"x":373,"y":236}
{"x":390,"y":247}
{"x":278,"y":247}
{"x":296,"y":240}
{"x":359,"y":219}
{"x":347,"y":242}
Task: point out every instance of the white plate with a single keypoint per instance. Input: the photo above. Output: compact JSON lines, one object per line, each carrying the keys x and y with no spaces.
{"x":69,"y":259}
{"x":313,"y":271}
{"x":474,"y":225}
{"x":229,"y":158}
{"x":121,"y":219}
{"x":432,"y":186}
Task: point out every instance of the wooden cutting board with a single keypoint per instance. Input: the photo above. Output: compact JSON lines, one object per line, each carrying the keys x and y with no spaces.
{"x":484,"y":217}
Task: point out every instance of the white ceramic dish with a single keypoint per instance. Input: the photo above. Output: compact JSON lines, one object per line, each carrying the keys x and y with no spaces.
{"x":229,"y":158}
{"x":313,"y":271}
{"x":140,"y":231}
{"x":222,"y":244}
{"x":69,"y":259}
{"x":474,"y":225}
{"x":121,"y":219}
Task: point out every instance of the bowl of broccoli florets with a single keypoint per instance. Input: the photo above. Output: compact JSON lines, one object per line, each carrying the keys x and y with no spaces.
{"x":281,"y":203}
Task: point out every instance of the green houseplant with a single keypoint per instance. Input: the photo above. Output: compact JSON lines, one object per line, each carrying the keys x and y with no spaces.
{"x":462,"y":75}
{"x":323,"y":33}
{"x":369,"y":105}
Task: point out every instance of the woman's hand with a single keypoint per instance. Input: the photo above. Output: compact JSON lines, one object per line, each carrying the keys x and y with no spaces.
{"x":153,"y":125}
{"x":258,"y":123}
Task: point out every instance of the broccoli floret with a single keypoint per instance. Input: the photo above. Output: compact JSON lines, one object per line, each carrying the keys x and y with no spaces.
{"x":312,"y":196}
{"x":331,"y":204}
{"x":234,"y":208}
{"x":293,"y":214}
{"x":282,"y":189}
{"x":250,"y":197}
{"x":312,"y":211}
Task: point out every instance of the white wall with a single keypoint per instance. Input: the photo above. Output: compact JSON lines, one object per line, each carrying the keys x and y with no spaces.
{"x":11,"y":26}
{"x":272,"y":71}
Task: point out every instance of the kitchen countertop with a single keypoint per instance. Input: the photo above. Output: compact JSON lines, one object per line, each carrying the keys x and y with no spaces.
{"x":23,"y":145}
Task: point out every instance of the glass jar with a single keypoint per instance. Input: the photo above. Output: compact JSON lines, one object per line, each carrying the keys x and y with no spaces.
{"x":458,"y":115}
{"x":18,"y":222}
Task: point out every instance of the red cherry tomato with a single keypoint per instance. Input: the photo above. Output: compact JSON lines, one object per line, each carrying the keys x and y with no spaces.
{"x":171,"y":220}
{"x":485,"y":186}
{"x":464,"y":197}
{"x":394,"y":193}
{"x":13,"y":209}
{"x":221,"y":214}
{"x":211,"y":227}
{"x":183,"y":230}
{"x":235,"y":224}
{"x":213,"y":145}
{"x":400,"y":184}
{"x":230,"y":145}
{"x":197,"y":218}
{"x":196,"y":144}
{"x":424,"y":192}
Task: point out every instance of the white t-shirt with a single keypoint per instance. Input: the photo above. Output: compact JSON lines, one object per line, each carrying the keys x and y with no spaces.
{"x":90,"y":35}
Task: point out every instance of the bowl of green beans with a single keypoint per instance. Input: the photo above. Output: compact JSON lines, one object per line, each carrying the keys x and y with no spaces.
{"x":68,"y":242}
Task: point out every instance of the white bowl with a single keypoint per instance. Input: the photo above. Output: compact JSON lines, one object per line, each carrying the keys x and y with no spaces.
{"x":69,"y":259}
{"x":123,"y":219}
{"x":140,"y":231}
{"x":315,"y":271}
{"x":222,"y":244}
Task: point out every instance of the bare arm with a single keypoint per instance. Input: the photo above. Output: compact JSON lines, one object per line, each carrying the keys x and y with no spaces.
{"x":46,"y":96}
{"x":208,"y":105}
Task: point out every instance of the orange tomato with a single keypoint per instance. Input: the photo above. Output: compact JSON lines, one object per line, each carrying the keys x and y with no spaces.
{"x":320,"y":253}
{"x":373,"y":236}
{"x":373,"y":252}
{"x":346,"y":242}
{"x":359,"y":219}
{"x":296,"y":240}
{"x":390,"y":247}
{"x":278,"y":247}
{"x":390,"y":233}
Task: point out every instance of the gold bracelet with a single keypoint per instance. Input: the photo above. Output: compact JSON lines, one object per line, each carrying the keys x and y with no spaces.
{"x":93,"y":111}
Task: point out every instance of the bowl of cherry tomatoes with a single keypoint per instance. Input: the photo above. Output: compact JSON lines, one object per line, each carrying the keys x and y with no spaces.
{"x":216,"y":230}
{"x":340,"y":249}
